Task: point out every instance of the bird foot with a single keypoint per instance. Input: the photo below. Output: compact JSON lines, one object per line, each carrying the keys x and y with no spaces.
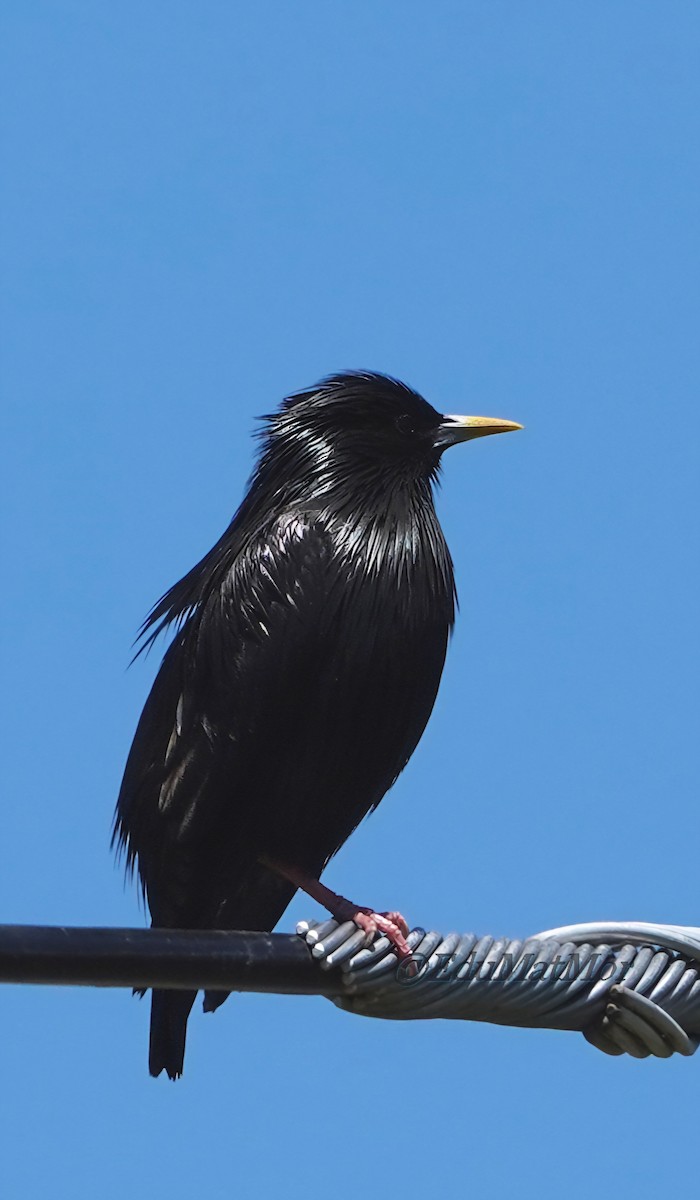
{"x":391,"y":924}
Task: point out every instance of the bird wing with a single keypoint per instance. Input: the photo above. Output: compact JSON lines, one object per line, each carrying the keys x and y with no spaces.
{"x":251,"y":621}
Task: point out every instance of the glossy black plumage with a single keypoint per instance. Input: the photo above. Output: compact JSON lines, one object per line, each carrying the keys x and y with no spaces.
{"x":308,"y":651}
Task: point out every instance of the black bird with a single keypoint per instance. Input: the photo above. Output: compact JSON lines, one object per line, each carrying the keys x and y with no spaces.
{"x":307,"y":655}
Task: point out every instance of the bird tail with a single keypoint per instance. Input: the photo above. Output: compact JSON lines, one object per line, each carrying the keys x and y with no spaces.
{"x":263,"y":898}
{"x":169,"y":1013}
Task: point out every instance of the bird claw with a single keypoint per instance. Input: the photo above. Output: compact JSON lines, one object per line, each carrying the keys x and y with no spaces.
{"x":391,"y":924}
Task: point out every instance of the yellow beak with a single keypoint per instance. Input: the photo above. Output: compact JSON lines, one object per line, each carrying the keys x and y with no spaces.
{"x":462,"y":429}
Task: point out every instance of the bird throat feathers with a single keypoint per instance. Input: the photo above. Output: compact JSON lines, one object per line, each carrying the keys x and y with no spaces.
{"x":380,"y":514}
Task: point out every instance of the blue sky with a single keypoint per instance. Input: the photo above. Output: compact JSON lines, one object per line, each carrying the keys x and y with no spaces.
{"x":206,"y":207}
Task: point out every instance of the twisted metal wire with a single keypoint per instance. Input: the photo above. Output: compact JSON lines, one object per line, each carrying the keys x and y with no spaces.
{"x":629,"y":987}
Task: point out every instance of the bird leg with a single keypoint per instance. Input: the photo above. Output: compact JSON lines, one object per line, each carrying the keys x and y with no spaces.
{"x":391,"y":924}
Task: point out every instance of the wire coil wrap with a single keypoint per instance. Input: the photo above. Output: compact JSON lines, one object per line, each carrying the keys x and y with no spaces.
{"x":629,"y":987}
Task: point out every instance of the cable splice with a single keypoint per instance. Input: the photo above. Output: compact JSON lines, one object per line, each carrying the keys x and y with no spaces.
{"x":629,"y":987}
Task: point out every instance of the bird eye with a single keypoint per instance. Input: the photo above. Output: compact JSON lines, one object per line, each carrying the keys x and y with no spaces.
{"x":404,"y":424}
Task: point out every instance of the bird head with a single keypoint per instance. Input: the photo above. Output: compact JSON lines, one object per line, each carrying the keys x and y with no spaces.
{"x":367,"y":420}
{"x":360,"y":430}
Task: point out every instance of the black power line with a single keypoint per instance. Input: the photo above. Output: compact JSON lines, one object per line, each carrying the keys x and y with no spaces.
{"x":180,"y":958}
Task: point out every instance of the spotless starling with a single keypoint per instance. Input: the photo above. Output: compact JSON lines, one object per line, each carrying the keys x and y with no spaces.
{"x":307,"y":654}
